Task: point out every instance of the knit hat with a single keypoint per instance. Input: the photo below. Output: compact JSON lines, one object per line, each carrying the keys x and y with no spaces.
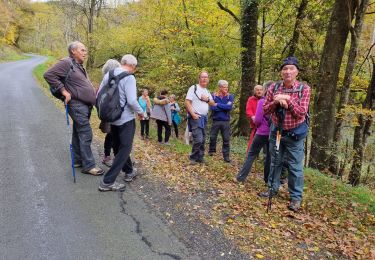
{"x":290,"y":61}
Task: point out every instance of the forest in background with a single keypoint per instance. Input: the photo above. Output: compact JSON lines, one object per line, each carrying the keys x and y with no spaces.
{"x":243,"y":42}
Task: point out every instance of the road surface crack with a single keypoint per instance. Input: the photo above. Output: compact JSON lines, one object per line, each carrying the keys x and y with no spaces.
{"x":139,"y":231}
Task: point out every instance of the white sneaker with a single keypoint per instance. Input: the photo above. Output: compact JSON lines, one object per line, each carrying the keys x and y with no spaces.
{"x":116,"y":186}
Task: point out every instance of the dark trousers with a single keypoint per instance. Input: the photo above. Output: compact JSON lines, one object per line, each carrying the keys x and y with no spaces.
{"x":122,"y":145}
{"x":167,"y":127}
{"x":145,"y":127}
{"x":224,"y":128}
{"x":82,"y":134}
{"x":175,"y":126}
{"x":199,"y":138}
{"x":108,"y":144}
{"x":259,"y":142}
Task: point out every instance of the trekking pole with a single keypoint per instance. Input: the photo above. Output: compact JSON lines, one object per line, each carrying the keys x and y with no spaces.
{"x":280,"y":116}
{"x":70,"y":142}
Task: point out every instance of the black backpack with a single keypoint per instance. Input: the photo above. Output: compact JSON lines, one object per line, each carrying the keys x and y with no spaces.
{"x":108,"y":99}
{"x":56,"y":92}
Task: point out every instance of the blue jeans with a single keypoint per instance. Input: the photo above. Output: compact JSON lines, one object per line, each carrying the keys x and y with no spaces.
{"x":294,"y":150}
{"x":82,"y":134}
{"x":259,"y":142}
{"x":122,"y":145}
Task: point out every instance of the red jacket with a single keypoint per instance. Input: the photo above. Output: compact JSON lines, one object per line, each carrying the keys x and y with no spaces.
{"x":251,"y":108}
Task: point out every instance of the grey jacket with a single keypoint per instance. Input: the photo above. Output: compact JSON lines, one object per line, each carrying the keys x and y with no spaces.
{"x":162,"y":111}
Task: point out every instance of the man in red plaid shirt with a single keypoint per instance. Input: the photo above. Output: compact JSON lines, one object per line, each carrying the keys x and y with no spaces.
{"x":289,"y":103}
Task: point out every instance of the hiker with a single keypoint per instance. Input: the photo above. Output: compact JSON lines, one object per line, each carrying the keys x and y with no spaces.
{"x":221,"y":119}
{"x":145,"y":103}
{"x":260,"y":141}
{"x":162,"y":113}
{"x":251,"y":107}
{"x":197,"y":101}
{"x":105,"y":127}
{"x":288,"y":102}
{"x":70,"y":78}
{"x":123,"y":129}
{"x":176,"y":118}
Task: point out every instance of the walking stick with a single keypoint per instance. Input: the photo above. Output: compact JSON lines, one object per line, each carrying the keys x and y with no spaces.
{"x":70,"y":142}
{"x":281,"y":117}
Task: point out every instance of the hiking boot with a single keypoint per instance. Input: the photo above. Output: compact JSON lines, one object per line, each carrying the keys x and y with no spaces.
{"x":96,"y":171}
{"x":130,"y":176}
{"x":167,"y":143}
{"x":283,"y":181}
{"x":240,"y":181}
{"x":116,"y":186}
{"x":227,"y":160}
{"x":193,"y":162}
{"x":294,"y":205}
{"x":202,"y":161}
{"x":107,"y":161}
{"x":266,"y":194}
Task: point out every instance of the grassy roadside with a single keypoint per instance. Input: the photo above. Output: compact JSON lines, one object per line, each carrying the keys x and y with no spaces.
{"x":337,"y":221}
{"x":11,"y":54}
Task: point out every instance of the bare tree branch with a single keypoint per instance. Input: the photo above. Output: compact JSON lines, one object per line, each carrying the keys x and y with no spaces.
{"x":229,"y":12}
{"x":368,"y":54}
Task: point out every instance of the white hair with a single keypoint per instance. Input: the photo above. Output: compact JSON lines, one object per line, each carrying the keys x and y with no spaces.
{"x":110,"y":64}
{"x":72,"y":46}
{"x":129,"y":59}
{"x":222,"y":82}
{"x":258,"y":86}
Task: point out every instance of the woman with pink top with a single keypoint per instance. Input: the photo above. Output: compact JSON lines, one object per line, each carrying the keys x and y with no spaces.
{"x":260,"y":141}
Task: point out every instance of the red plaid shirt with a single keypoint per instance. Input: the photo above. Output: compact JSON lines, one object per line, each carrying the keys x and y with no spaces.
{"x":297,"y":108}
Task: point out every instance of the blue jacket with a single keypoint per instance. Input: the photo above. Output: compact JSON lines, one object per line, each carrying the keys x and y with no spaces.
{"x":221,"y":112}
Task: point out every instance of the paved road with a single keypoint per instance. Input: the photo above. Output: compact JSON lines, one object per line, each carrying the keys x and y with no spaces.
{"x":43,"y":214}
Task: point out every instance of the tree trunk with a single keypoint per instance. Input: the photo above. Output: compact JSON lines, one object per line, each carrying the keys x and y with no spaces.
{"x":262,"y":35}
{"x":249,"y":25}
{"x":90,"y":30}
{"x":297,"y":27}
{"x":344,"y":96}
{"x":325,"y":100}
{"x":362,"y":132}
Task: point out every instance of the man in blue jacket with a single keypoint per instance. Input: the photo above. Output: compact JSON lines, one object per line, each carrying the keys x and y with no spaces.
{"x":221,"y":119}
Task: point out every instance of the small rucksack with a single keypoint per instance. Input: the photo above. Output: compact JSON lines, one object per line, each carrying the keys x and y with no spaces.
{"x":108,"y":100}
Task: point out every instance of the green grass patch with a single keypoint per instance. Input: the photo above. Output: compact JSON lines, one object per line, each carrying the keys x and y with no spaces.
{"x":325,"y":187}
{"x":8,"y":53}
{"x":39,"y":70}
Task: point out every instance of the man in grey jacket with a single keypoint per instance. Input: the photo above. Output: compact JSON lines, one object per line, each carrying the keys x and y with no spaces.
{"x":70,"y":78}
{"x":123,"y":129}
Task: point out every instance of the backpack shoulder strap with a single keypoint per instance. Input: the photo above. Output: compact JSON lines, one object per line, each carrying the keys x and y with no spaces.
{"x":123,"y":75}
{"x":277,"y":86}
{"x":195,"y":92}
{"x":71,"y":68}
{"x":300,"y":90}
